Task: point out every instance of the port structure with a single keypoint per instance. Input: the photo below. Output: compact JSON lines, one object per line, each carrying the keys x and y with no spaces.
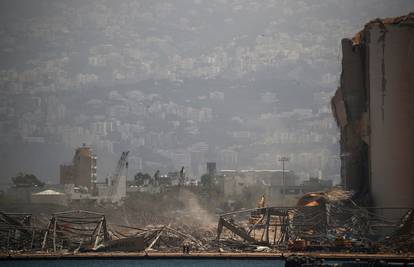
{"x":74,"y":230}
{"x":318,"y":226}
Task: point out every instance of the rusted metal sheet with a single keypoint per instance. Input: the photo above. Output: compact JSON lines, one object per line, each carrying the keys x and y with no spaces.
{"x":235,"y":229}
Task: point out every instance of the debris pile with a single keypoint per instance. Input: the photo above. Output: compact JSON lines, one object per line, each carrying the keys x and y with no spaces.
{"x":75,"y":230}
{"x":160,"y":237}
{"x":17,"y":232}
{"x":321,"y":221}
{"x":402,"y":239}
{"x":328,"y":221}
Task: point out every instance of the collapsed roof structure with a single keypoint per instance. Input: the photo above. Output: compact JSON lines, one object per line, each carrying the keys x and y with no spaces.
{"x":319,"y":220}
{"x":73,"y":230}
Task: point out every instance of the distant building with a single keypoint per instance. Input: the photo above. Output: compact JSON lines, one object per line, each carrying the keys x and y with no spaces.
{"x":236,"y":181}
{"x":82,"y":171}
{"x":279,"y":187}
{"x":316,"y":184}
{"x":50,"y":197}
{"x":34,"y":139}
{"x":25,"y":195}
{"x":216,"y":95}
{"x":228,"y":158}
{"x":211,"y":168}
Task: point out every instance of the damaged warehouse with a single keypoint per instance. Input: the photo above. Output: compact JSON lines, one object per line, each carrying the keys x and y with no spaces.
{"x":374,"y":109}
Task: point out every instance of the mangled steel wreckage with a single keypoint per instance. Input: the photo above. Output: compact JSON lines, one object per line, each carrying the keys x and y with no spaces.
{"x":328,"y":221}
{"x":75,"y":230}
{"x":321,"y":221}
{"x":87,"y":231}
{"x":17,"y":232}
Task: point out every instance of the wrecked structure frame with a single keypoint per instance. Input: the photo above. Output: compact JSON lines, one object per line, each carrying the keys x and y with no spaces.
{"x":17,"y":231}
{"x":278,"y":227}
{"x":75,"y":230}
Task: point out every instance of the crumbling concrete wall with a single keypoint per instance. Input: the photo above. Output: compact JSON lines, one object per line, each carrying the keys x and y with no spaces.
{"x":350,"y":107}
{"x":391,"y":79}
{"x":374,"y":108}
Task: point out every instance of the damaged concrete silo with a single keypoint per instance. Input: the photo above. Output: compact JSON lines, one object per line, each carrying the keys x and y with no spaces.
{"x":374,"y":108}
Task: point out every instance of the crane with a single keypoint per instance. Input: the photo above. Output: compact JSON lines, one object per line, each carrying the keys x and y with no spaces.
{"x":121,"y":166}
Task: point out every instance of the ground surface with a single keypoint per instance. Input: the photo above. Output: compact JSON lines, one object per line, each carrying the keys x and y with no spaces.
{"x":212,"y":255}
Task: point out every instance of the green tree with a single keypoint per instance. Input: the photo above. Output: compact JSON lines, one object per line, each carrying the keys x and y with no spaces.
{"x":207,"y":181}
{"x":26,"y":180}
{"x":142,"y":178}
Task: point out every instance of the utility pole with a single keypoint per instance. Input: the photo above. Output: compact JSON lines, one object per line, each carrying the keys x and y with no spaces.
{"x":283,"y":160}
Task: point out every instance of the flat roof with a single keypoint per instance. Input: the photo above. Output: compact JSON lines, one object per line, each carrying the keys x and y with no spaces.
{"x":49,"y":192}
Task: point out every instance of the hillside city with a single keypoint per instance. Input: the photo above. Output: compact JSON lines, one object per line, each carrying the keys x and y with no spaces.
{"x":159,"y":80}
